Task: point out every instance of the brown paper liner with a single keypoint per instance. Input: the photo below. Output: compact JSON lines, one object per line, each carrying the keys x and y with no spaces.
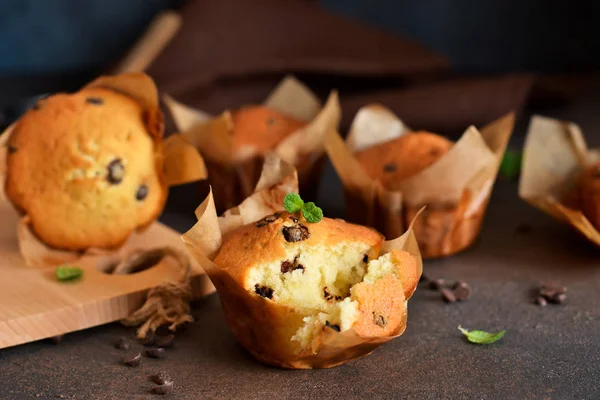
{"x":232,"y":180}
{"x":263,"y":327}
{"x":455,"y":189}
{"x":555,"y":153}
{"x":178,"y":159}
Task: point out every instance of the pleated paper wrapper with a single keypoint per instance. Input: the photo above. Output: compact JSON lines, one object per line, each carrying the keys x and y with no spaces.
{"x":179,"y":161}
{"x":262,"y":326}
{"x":455,"y":189}
{"x":554,"y":155}
{"x":234,"y":180}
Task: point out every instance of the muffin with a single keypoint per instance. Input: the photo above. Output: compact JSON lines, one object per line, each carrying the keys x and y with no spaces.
{"x":302,"y":295}
{"x":86,"y":168}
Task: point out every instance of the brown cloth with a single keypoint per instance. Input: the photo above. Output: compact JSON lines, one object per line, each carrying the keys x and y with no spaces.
{"x":230,"y":53}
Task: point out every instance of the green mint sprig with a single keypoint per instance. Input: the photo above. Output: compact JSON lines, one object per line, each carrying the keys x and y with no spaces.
{"x":67,"y":272}
{"x":293,"y":203}
{"x":481,"y":337}
{"x":510,"y":167}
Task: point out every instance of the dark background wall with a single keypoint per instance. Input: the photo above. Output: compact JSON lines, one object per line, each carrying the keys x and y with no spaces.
{"x":55,"y":36}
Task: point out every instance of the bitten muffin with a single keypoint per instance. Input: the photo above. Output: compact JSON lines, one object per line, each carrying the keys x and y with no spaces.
{"x":392,"y":161}
{"x":285,"y":282}
{"x":588,"y":194}
{"x":261,"y":128}
{"x":86,"y":169}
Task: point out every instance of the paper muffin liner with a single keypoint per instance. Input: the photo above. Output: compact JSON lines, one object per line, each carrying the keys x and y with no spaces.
{"x":232,"y":181}
{"x":455,"y":189}
{"x":178,"y":159}
{"x":555,"y":153}
{"x":257,"y":322}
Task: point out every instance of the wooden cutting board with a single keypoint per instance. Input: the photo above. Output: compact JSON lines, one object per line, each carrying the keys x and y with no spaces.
{"x":35,"y":305}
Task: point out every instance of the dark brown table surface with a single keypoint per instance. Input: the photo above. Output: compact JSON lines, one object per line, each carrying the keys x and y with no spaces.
{"x":547,"y":353}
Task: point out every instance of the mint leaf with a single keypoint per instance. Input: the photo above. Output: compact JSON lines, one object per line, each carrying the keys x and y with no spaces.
{"x":292,"y":202}
{"x":312,"y":213}
{"x":511,"y":164}
{"x":481,"y":337}
{"x":68,"y":273}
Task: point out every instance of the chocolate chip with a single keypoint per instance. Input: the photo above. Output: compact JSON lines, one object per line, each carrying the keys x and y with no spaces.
{"x":540,"y":301}
{"x":165,"y":388}
{"x":334,"y":327}
{"x":437,"y":284}
{"x":11,"y":149}
{"x":141,"y":193}
{"x":94,"y":100}
{"x":116,"y":171}
{"x":158,"y":352}
{"x":161,"y":378}
{"x":379,"y":320}
{"x":448,"y":295}
{"x":133,"y":360}
{"x":289,"y":266}
{"x":390,"y":167}
{"x":165,"y":341}
{"x":553,"y":293}
{"x":122,"y":344}
{"x":366,"y":258}
{"x":295,"y":233}
{"x":148,"y":340}
{"x":462,"y":291}
{"x":263,"y":291}
{"x":329,"y":296}
{"x":267,"y":220}
{"x":559,"y":298}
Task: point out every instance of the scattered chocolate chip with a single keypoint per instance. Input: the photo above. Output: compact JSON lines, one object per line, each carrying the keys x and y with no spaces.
{"x":263,"y":291}
{"x":116,"y":171}
{"x":390,"y":167}
{"x":158,"y":352}
{"x":141,"y":193}
{"x":448,"y":295}
{"x":267,"y":220}
{"x":148,"y":340}
{"x":56,"y":339}
{"x":161,"y":378}
{"x":540,"y":301}
{"x":123,"y":344}
{"x":295,"y":233}
{"x":133,"y":360}
{"x":289,"y":266}
{"x":165,"y":341}
{"x":560,"y":298}
{"x":366,"y":258}
{"x":334,"y":327}
{"x":94,"y":100}
{"x":523,"y":229}
{"x":294,"y":219}
{"x":329,"y":296}
{"x":379,"y":320}
{"x":11,"y":149}
{"x":437,"y":284}
{"x":552,"y":293}
{"x":165,"y":388}
{"x":462,"y":291}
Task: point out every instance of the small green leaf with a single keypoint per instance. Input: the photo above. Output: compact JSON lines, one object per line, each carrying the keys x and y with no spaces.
{"x":481,"y":337}
{"x":511,"y":164}
{"x":68,"y":273}
{"x":312,"y":213}
{"x":292,"y":202}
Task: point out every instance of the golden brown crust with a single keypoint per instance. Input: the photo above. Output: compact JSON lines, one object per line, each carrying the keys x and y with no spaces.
{"x":261,"y":128}
{"x":392,"y":161}
{"x":588,"y":190}
{"x":76,"y":164}
{"x":265,"y":240}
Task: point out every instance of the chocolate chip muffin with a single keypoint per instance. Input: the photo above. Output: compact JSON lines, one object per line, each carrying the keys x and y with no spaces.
{"x":287,"y":285}
{"x":392,"y":161}
{"x":86,"y":168}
